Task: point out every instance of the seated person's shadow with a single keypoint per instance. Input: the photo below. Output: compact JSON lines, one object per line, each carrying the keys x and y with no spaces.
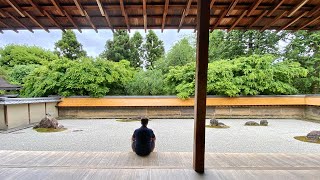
{"x":143,"y":139}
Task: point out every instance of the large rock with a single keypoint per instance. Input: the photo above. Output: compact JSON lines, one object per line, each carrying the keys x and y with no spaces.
{"x":49,"y":122}
{"x":214,"y":122}
{"x":313,"y":135}
{"x":263,"y":123}
{"x":251,"y":123}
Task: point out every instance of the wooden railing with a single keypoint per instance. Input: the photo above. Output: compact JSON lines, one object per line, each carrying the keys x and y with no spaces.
{"x":143,"y":101}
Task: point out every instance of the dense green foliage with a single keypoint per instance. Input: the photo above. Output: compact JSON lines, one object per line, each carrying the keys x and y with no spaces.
{"x":241,"y":63}
{"x":69,"y":47}
{"x":253,"y":75}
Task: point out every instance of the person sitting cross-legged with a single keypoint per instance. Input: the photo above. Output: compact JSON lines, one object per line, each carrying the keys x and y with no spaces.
{"x":143,"y":139}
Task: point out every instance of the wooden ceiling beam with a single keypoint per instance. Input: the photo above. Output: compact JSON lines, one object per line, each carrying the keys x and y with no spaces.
{"x":219,"y":20}
{"x":313,"y":11}
{"x":212,"y":3}
{"x":124,"y":14}
{"x":293,"y":21}
{"x":100,"y":7}
{"x":90,"y":22}
{"x":237,"y":21}
{"x":165,"y":12}
{"x":72,"y":21}
{"x":8,"y":26}
{"x":184,"y":14}
{"x":145,"y":15}
{"x":309,"y":23}
{"x":2,"y":14}
{"x":275,"y":8}
{"x":16,"y":7}
{"x":51,"y":18}
{"x":36,"y":21}
{"x":258,"y":19}
{"x":274,"y":21}
{"x":58,"y":7}
{"x":18,"y":21}
{"x":297,"y":7}
{"x":231,"y":7}
{"x":108,"y":20}
{"x":79,"y":6}
{"x":253,"y":7}
{"x":36,"y":6}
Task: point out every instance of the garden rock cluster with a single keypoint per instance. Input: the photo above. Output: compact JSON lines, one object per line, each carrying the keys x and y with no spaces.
{"x":49,"y":122}
{"x":313,"y":136}
{"x":253,"y":123}
{"x":216,"y":123}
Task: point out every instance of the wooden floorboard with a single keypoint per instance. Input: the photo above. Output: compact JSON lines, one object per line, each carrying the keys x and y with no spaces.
{"x":159,"y":165}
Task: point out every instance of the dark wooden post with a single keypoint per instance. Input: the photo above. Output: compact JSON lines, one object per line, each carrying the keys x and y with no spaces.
{"x":201,"y":84}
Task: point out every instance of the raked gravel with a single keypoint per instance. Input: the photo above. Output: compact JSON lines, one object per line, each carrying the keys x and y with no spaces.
{"x":172,"y":135}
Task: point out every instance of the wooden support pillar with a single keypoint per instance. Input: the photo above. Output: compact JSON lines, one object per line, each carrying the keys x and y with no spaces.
{"x":203,"y":18}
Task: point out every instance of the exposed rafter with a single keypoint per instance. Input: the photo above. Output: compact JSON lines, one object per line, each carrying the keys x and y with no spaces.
{"x":72,"y":21}
{"x":18,"y":21}
{"x":145,"y":22}
{"x":253,"y":7}
{"x":2,"y":14}
{"x":184,"y":14}
{"x":231,"y":7}
{"x":219,"y":20}
{"x":237,"y":21}
{"x":100,"y":7}
{"x":275,"y":8}
{"x":293,"y":21}
{"x":297,"y":7}
{"x":90,"y":22}
{"x":36,"y":21}
{"x":51,"y":18}
{"x":257,"y":19}
{"x":34,"y":5}
{"x":8,"y":26}
{"x":124,"y":14}
{"x":211,"y":3}
{"x":108,"y":20}
{"x":309,"y":22}
{"x":314,"y":11}
{"x":274,"y":21}
{"x":16,"y":7}
{"x":165,"y":12}
{"x":79,"y":6}
{"x":57,"y":6}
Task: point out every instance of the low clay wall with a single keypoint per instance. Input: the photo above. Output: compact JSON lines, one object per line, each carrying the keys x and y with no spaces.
{"x":21,"y":112}
{"x":183,"y":112}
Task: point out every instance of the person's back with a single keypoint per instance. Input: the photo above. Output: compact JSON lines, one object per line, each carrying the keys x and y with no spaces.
{"x":143,"y":139}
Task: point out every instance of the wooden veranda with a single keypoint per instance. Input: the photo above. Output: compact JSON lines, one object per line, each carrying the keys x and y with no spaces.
{"x":201,"y":15}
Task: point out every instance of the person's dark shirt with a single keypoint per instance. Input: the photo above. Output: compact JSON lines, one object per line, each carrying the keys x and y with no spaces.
{"x":143,"y":140}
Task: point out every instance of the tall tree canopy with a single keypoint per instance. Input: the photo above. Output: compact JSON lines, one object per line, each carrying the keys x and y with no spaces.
{"x":69,"y":47}
{"x":137,"y":51}
{"x":12,"y":55}
{"x":154,"y":49}
{"x":181,"y":53}
{"x":119,"y":48}
{"x":304,"y":47}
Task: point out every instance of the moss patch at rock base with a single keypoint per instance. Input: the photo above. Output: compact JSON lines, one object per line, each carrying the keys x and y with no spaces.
{"x":128,"y":120}
{"x":217,"y":127}
{"x":48,"y":130}
{"x":305,"y":139}
{"x":253,"y":125}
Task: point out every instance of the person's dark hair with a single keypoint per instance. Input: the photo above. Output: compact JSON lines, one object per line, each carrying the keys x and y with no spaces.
{"x":144,"y":121}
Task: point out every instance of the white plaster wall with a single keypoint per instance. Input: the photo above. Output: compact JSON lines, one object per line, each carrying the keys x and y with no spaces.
{"x":52,"y":109}
{"x":17,"y":115}
{"x":2,"y":120}
{"x":37,"y":112}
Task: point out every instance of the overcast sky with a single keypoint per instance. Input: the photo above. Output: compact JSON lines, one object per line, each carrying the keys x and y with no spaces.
{"x":92,"y":42}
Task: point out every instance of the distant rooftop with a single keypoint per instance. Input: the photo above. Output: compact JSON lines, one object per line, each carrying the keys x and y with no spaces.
{"x":4,"y":85}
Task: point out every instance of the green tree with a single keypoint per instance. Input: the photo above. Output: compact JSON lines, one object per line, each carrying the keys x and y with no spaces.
{"x":69,"y":47}
{"x":251,"y":75}
{"x":149,"y":82}
{"x":304,"y":48}
{"x":12,"y":55}
{"x":17,"y":74}
{"x":119,"y":48}
{"x":137,"y":51}
{"x":181,"y":53}
{"x":153,"y":48}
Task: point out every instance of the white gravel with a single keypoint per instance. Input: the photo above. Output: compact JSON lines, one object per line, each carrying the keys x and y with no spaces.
{"x":172,"y":135}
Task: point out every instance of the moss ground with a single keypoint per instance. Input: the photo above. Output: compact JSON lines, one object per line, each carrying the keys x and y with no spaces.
{"x":305,"y":139}
{"x":218,"y":127}
{"x":48,"y":130}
